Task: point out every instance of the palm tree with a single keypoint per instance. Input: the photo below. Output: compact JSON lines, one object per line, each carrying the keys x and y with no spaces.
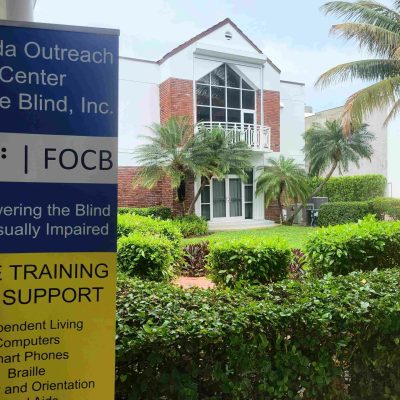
{"x":327,"y":149}
{"x":166,"y":154}
{"x":174,"y":151}
{"x":283,"y":180}
{"x":377,"y":29}
{"x":216,"y":153}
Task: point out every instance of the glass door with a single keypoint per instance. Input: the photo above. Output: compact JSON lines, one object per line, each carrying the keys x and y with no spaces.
{"x":235,"y":197}
{"x":248,"y":120}
{"x":219,"y":198}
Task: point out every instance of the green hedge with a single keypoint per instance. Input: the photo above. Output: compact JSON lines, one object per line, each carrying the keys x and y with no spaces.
{"x":342,"y":212}
{"x":146,"y":256}
{"x":386,"y":207}
{"x":353,"y":188}
{"x":345,"y":248}
{"x":128,"y":223}
{"x":154,"y":212}
{"x":191,"y":225}
{"x":335,"y":338}
{"x":249,"y":260}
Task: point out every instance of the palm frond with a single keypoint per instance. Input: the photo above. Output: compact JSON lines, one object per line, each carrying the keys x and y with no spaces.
{"x":369,"y":12}
{"x":367,"y":70}
{"x":392,"y":113}
{"x":377,"y":40}
{"x":379,"y":95}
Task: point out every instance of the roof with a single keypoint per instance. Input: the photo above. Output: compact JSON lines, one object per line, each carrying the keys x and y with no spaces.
{"x":207,"y":32}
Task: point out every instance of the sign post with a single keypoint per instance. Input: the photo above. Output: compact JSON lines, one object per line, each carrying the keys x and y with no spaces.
{"x":58,"y":205}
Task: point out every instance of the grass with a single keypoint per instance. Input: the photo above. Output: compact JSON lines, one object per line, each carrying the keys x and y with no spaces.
{"x":295,"y":235}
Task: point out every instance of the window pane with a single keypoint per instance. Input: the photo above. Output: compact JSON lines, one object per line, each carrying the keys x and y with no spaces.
{"x":218,"y":115}
{"x":218,"y":76}
{"x":205,"y":79}
{"x":233,"y":79}
{"x":203,"y":95}
{"x":234,"y":116}
{"x":218,"y":96}
{"x":245,"y":85}
{"x":203,"y":114}
{"x":233,"y":98}
{"x":205,"y":211}
{"x":248,"y":99}
{"x":248,"y":193}
{"x":248,"y":118}
{"x":205,"y":195}
{"x":248,"y":211}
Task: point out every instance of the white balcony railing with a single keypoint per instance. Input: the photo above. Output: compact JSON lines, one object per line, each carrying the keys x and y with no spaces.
{"x":257,"y":137}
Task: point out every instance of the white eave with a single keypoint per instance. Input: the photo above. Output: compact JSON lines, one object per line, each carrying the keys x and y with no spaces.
{"x":224,"y":53}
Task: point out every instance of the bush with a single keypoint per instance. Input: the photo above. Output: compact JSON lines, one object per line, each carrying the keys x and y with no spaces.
{"x":252,"y":261}
{"x":345,"y":248}
{"x":192,"y":225}
{"x":154,"y":212}
{"x":338,"y":213}
{"x":145,"y":256}
{"x":386,"y":207}
{"x":335,"y":338}
{"x":128,"y":223}
{"x":353,"y":188}
{"x":194,"y":259}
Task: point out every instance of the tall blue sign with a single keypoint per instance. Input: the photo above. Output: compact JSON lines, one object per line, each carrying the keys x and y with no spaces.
{"x":58,"y":205}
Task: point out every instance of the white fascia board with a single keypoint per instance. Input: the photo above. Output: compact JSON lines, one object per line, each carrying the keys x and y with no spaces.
{"x":225,"y":53}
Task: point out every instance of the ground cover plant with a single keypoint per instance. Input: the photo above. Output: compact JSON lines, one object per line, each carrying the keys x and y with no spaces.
{"x":333,"y":338}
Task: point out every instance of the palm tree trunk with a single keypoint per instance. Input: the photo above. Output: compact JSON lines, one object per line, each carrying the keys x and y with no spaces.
{"x":280,"y":207}
{"x":192,"y":204}
{"x":314,"y":193}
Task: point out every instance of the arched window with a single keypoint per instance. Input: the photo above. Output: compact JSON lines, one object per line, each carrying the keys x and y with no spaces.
{"x":223,"y":96}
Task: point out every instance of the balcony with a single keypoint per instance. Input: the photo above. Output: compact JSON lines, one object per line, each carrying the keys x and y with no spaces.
{"x":258,"y":137}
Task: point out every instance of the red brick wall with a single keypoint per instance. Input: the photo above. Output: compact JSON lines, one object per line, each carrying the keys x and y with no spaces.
{"x":176,"y":99}
{"x":272,"y":115}
{"x":272,"y":213}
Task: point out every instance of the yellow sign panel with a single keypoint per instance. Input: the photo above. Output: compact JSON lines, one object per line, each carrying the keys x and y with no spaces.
{"x":56,"y":334}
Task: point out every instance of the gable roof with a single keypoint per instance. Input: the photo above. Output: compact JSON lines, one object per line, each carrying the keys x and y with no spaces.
{"x":208,"y":31}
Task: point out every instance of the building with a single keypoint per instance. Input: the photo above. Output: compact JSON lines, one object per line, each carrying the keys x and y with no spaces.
{"x":375,"y":122}
{"x":219,"y":77}
{"x":17,"y":10}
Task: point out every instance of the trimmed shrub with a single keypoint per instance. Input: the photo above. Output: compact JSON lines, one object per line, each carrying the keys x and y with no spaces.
{"x":251,"y":261}
{"x":338,"y":213}
{"x":345,"y":248}
{"x":128,"y":223}
{"x":154,"y":212}
{"x":386,"y":207}
{"x":192,"y":225}
{"x":334,"y":338}
{"x":194,"y":259}
{"x":353,"y":188}
{"x":145,"y":256}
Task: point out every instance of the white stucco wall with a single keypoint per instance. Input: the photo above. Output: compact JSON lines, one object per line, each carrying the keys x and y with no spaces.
{"x":393,"y":158}
{"x":292,"y":120}
{"x":3,"y":14}
{"x":139,"y":105}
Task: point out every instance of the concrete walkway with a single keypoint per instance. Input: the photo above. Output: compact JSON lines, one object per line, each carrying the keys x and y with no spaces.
{"x":187,"y":282}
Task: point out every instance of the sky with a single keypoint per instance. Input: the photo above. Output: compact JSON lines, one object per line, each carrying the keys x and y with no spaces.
{"x":294,"y":34}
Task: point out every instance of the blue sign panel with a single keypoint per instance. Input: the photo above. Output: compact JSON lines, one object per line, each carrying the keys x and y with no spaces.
{"x":46,"y":217}
{"x":58,"y":83}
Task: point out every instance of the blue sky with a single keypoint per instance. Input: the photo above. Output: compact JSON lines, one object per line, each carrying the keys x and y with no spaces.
{"x":293,"y":33}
